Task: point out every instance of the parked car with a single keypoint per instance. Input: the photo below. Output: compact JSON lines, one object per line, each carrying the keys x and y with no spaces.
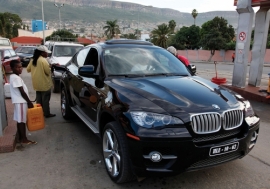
{"x":5,"y":43}
{"x":6,"y":56}
{"x":153,"y":116}
{"x":25,"y":53}
{"x":62,"y":52}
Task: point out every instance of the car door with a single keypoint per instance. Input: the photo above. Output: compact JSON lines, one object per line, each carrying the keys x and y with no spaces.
{"x":90,"y":94}
{"x":84,"y":92}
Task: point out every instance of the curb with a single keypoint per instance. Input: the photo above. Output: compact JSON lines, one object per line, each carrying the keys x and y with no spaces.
{"x":7,"y":141}
{"x":250,"y":93}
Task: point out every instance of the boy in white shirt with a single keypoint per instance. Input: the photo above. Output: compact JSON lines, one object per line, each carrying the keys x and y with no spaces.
{"x":21,"y":101}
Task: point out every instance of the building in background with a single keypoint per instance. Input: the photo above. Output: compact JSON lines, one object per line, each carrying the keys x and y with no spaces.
{"x":25,"y":41}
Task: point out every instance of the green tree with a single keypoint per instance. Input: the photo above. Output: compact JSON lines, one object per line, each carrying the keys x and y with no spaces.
{"x":129,"y":36}
{"x":194,"y":14}
{"x":111,"y":29}
{"x":9,"y":24}
{"x":187,"y":38}
{"x":62,"y":35}
{"x":215,"y":34}
{"x":172,"y":25}
{"x":160,"y":35}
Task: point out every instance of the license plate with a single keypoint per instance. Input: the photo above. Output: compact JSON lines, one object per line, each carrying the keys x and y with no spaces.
{"x":227,"y":148}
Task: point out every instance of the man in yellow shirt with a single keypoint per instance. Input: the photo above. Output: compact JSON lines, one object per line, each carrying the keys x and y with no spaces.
{"x":41,"y":78}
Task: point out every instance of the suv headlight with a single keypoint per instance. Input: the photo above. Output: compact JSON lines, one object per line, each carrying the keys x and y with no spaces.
{"x":248,"y":109}
{"x":149,"y":120}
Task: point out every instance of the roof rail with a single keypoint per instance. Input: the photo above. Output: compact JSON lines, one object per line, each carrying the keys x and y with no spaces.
{"x":128,"y":41}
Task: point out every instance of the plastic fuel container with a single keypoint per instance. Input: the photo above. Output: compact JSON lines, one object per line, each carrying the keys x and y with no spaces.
{"x":35,"y":118}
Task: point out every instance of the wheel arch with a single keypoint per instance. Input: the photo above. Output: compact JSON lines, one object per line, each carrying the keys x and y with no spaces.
{"x":62,"y":85}
{"x":105,"y":118}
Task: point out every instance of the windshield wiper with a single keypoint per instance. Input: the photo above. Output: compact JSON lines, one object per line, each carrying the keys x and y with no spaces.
{"x":126,"y":75}
{"x":167,"y":74}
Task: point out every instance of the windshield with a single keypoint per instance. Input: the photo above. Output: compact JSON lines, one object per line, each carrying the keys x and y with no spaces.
{"x":66,"y":50}
{"x":26,"y":50}
{"x":4,"y":42}
{"x":142,"y":61}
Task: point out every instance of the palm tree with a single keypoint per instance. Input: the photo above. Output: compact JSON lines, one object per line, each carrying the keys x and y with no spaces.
{"x":160,"y":35}
{"x":172,"y":25}
{"x":129,"y":36}
{"x":111,"y":29}
{"x":194,"y":14}
{"x":137,"y":33}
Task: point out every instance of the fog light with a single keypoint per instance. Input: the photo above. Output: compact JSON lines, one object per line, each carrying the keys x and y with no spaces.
{"x":155,"y":156}
{"x":253,"y":139}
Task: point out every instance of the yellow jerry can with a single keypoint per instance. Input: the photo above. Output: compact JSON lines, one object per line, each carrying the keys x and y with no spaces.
{"x":35,"y":118}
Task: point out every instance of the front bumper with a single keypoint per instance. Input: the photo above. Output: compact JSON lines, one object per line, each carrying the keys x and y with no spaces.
{"x":185,"y":153}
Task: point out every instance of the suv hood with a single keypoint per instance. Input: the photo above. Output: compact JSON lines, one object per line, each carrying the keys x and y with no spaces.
{"x":190,"y":94}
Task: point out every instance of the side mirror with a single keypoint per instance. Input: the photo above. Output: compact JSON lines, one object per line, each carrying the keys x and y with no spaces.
{"x":193,"y":68}
{"x":87,"y":71}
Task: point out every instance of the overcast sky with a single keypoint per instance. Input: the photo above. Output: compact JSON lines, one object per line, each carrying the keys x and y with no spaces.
{"x":189,"y":5}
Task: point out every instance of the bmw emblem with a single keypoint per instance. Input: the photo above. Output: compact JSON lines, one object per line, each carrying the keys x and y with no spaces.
{"x":215,"y":106}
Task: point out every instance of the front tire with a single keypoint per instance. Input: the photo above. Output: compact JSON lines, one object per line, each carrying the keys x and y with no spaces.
{"x":66,"y":111}
{"x":115,"y":153}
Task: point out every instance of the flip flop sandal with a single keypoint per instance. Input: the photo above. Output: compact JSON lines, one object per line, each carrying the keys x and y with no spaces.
{"x":30,"y":142}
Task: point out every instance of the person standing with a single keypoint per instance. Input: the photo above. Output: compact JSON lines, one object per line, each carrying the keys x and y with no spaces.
{"x":20,"y":99}
{"x":183,"y":59}
{"x":41,"y":78}
{"x":233,"y":57}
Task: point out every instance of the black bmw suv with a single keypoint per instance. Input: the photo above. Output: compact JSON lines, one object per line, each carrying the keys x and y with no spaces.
{"x":154,"y":117}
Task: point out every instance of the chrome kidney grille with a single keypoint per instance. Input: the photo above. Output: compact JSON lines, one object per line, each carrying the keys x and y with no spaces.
{"x":232,"y":119}
{"x":211,"y":122}
{"x":206,"y":123}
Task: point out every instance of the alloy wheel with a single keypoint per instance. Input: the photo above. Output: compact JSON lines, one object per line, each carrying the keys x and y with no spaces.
{"x":111,"y":153}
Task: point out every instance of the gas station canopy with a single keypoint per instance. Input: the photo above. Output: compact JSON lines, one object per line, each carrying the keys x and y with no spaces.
{"x":255,"y":3}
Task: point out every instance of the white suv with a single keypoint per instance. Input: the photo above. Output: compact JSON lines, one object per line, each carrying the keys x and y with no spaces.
{"x":62,"y":52}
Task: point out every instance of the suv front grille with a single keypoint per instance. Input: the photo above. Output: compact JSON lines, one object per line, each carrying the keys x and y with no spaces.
{"x":232,"y":119}
{"x":206,"y":123}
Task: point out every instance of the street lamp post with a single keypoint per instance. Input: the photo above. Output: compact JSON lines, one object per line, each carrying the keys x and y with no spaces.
{"x":59,"y":7}
{"x":139,"y":19}
{"x":43,"y":33}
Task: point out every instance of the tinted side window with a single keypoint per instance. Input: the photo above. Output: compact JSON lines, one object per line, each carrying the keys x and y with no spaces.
{"x":92,"y":58}
{"x":81,"y":56}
